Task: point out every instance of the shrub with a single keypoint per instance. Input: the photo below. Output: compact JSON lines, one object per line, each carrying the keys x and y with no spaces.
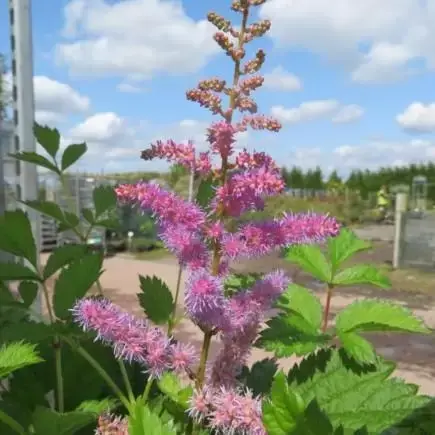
{"x":131,"y":375}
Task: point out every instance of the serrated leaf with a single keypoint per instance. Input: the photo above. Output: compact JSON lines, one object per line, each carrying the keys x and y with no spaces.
{"x":206,"y":192}
{"x":260,"y":377}
{"x":88,"y":214}
{"x":71,"y":154}
{"x":17,"y":272}
{"x":156,"y":299}
{"x":15,"y":356}
{"x":74,"y":282}
{"x":16,"y":236}
{"x":342,"y":247}
{"x":143,"y":421}
{"x":48,"y":138}
{"x":48,"y":422}
{"x":104,"y":199}
{"x":357,"y":347}
{"x":98,"y":407}
{"x":301,"y":301}
{"x":281,"y":413}
{"x":314,"y":421}
{"x":311,"y":259}
{"x":171,"y":386}
{"x":33,"y":332}
{"x":49,"y":208}
{"x":28,"y":291}
{"x":362,"y":274}
{"x":290,"y":335}
{"x":353,"y":399}
{"x":35,"y":158}
{"x":377,"y":315}
{"x":111,"y":224}
{"x":62,"y":256}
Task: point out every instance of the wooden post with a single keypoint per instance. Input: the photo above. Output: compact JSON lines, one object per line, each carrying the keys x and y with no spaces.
{"x":399,"y":225}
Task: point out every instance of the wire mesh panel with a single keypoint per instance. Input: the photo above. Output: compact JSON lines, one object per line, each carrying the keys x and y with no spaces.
{"x":418,"y":241}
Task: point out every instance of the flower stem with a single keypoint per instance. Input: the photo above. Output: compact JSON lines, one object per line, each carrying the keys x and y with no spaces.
{"x":126,"y":380}
{"x":12,"y":423}
{"x":203,"y":359}
{"x":171,"y":322}
{"x":327,"y":307}
{"x":146,"y":393}
{"x":57,"y":354}
{"x":100,"y":370}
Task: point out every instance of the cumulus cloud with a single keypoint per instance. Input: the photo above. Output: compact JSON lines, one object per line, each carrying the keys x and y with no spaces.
{"x":375,"y":44}
{"x":318,"y":109}
{"x":367,"y":155}
{"x":129,"y":88}
{"x":418,"y":117}
{"x":133,"y":38}
{"x":53,"y":100}
{"x":281,"y":80}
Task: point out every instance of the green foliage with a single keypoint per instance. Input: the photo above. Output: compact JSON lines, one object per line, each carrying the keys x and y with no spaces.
{"x":353,"y":396}
{"x":104,"y":200}
{"x":28,"y":291}
{"x":156,"y":299}
{"x":61,"y":257}
{"x":206,"y":191}
{"x":311,"y":259}
{"x":72,"y":154}
{"x":15,"y":356}
{"x":260,"y":376}
{"x":143,"y":421}
{"x":170,"y":385}
{"x":35,"y":158}
{"x":362,"y":274}
{"x":74,"y":282}
{"x":48,"y":138}
{"x":48,"y":422}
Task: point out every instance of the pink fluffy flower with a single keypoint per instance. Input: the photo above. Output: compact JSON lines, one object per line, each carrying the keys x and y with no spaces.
{"x":204,"y":298}
{"x":166,"y":207}
{"x":228,"y":411}
{"x":131,"y":339}
{"x":221,"y":138}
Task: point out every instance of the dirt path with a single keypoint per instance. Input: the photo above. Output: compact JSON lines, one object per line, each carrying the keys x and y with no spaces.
{"x":415,"y":354}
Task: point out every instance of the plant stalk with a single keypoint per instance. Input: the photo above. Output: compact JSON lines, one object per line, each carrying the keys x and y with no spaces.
{"x":12,"y":423}
{"x":146,"y":393}
{"x":100,"y":370}
{"x":171,"y":323}
{"x":203,"y":359}
{"x":327,"y":309}
{"x":126,"y":380}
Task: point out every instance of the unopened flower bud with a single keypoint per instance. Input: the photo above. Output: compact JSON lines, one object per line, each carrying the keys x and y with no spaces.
{"x":214,"y":84}
{"x":218,"y":21}
{"x":254,"y":65}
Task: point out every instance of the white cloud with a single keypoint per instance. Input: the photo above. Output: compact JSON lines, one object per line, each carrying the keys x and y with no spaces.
{"x":418,"y":117}
{"x":133,"y":38}
{"x":281,"y":80}
{"x":374,"y":43}
{"x":347,"y":114}
{"x":368,"y":155}
{"x":313,"y":110}
{"x":129,"y":88}
{"x":53,"y":100}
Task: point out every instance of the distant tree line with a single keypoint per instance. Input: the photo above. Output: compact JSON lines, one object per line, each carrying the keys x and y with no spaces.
{"x":364,"y":181}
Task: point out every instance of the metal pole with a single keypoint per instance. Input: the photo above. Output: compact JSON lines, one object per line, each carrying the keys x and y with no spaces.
{"x":24,"y":109}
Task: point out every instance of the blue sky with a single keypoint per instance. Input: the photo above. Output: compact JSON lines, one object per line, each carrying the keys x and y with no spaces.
{"x":351,"y":82}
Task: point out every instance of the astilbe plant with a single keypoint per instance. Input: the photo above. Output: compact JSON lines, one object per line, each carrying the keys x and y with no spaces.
{"x":199,"y":239}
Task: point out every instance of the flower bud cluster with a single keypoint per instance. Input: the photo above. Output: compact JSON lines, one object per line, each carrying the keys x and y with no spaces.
{"x":218,"y":21}
{"x":206,"y":99}
{"x":214,"y":84}
{"x":255,"y":64}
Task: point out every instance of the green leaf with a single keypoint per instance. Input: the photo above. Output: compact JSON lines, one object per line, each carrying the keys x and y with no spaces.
{"x":377,"y":315}
{"x":302,"y":302}
{"x":357,"y":347}
{"x":88,"y":214}
{"x":74,"y":282}
{"x":17,"y":271}
{"x":143,"y":421}
{"x":15,"y":356}
{"x":343,"y":246}
{"x":206,"y":192}
{"x":110,"y":223}
{"x":311,"y":259}
{"x":49,"y":422}
{"x":16,"y":236}
{"x":62,"y":256}
{"x":48,"y":138}
{"x":35,"y":158}
{"x":314,"y":422}
{"x":290,"y":335}
{"x":260,"y":377}
{"x":281,"y":413}
{"x":28,"y":291}
{"x":362,"y":274}
{"x":156,"y":299}
{"x":98,"y":407}
{"x":354,"y":396}
{"x":104,"y":199}
{"x":171,"y":386}
{"x":48,"y":208}
{"x":71,"y":154}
